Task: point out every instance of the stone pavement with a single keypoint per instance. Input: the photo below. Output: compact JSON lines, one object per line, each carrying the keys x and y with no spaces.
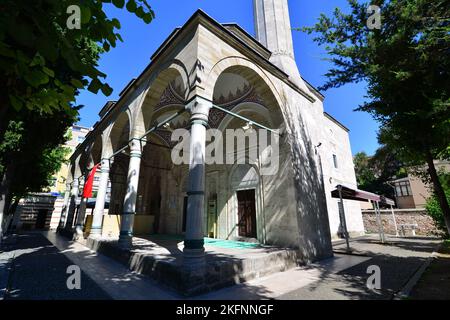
{"x":6,"y":258}
{"x":399,"y":259}
{"x":114,"y":278}
{"x":39,"y":272}
{"x":40,"y":263}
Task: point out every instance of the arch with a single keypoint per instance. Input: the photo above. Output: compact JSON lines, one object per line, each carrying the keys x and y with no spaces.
{"x":244,"y":176}
{"x":172,"y":71}
{"x":238,"y":62}
{"x":247,"y":107}
{"x":75,"y":170}
{"x":119,"y":134}
{"x":96,"y":151}
{"x":85,"y":159}
{"x":243,"y":85}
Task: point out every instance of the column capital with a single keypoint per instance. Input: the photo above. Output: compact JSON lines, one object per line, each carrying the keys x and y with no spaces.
{"x":199,"y":108}
{"x":135,"y":148}
{"x":105,"y":165}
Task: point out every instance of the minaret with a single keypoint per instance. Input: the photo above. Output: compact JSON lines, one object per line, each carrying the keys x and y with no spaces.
{"x":273,"y":30}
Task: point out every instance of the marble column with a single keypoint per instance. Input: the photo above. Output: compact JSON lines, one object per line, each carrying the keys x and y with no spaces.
{"x":129,"y":205}
{"x":194,"y":251}
{"x":72,"y":204}
{"x":97,"y":219}
{"x":81,"y":213}
{"x":62,"y":220}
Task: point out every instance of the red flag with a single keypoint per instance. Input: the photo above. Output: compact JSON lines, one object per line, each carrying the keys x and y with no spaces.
{"x":87,"y":191}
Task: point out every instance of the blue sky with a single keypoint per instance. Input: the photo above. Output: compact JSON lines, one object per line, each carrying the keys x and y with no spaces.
{"x":129,"y":58}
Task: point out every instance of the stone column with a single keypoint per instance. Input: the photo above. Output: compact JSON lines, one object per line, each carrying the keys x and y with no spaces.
{"x":81,"y":213}
{"x":72,"y":204}
{"x":129,"y":205}
{"x":194,"y":251}
{"x":97,"y":219}
{"x":62,"y":220}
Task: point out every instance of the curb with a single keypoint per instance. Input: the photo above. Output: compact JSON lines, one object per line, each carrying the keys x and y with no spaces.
{"x":407,"y":288}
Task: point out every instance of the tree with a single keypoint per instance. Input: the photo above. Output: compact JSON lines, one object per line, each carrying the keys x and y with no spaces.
{"x":406,"y":66}
{"x":373,"y":173}
{"x":433,"y":208}
{"x":364,"y":173}
{"x":47,"y":54}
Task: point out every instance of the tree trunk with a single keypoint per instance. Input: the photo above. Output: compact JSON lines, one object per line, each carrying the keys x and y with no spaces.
{"x":439,"y":191}
{"x":4,"y":193}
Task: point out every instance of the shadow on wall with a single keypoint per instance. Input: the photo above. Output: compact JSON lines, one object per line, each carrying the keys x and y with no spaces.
{"x":313,"y":224}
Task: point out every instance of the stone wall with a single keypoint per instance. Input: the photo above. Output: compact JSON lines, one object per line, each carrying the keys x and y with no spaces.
{"x":426,"y":225}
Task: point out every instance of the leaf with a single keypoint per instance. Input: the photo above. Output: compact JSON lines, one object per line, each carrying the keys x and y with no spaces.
{"x":148,"y":17}
{"x":116,"y":23}
{"x":47,"y":48}
{"x":107,"y":90}
{"x":119,"y":3}
{"x":94,"y":86}
{"x":16,"y":103}
{"x":6,"y":51}
{"x":36,"y":78}
{"x":85,"y":15}
{"x":131,"y":6}
{"x":140,"y":12}
{"x":77,"y":83}
{"x":48,"y":72}
{"x":106,"y":46}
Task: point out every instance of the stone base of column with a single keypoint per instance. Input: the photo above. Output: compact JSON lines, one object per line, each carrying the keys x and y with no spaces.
{"x":194,"y":260}
{"x":78,"y":234}
{"x":95,"y":233}
{"x":125,"y":241}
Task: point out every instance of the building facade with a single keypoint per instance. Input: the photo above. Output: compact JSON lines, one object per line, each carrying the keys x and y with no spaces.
{"x":411,"y":192}
{"x":205,"y":76}
{"x":77,"y":136}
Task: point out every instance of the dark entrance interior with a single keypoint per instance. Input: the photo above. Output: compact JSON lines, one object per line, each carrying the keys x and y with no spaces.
{"x":41,"y":219}
{"x":247,"y":213}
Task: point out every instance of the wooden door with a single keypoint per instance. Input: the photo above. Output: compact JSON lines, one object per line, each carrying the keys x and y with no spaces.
{"x":247,"y":213}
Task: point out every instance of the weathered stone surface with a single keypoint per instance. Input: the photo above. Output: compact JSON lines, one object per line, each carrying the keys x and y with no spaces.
{"x":426,"y":225}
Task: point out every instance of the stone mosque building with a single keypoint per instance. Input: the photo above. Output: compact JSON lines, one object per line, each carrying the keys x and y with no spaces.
{"x":208,"y":75}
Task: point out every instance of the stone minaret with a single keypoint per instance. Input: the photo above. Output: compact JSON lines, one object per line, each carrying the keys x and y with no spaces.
{"x":273,"y":30}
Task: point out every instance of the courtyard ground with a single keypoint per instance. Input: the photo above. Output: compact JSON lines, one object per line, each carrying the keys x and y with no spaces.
{"x":35,"y":265}
{"x":435,"y":282}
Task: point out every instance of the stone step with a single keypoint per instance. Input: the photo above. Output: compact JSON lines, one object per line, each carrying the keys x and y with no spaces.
{"x":221,"y":271}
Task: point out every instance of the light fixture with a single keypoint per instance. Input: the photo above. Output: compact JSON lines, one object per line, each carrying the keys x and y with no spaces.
{"x":248,"y":126}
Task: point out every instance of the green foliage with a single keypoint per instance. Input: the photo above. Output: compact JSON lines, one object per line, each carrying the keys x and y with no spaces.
{"x":406,"y":67}
{"x":433,"y":208}
{"x":374,"y":173}
{"x":43,"y":63}
{"x":43,"y":66}
{"x":34,"y":158}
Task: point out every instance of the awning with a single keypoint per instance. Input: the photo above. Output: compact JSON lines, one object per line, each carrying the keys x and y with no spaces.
{"x":360,"y":195}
